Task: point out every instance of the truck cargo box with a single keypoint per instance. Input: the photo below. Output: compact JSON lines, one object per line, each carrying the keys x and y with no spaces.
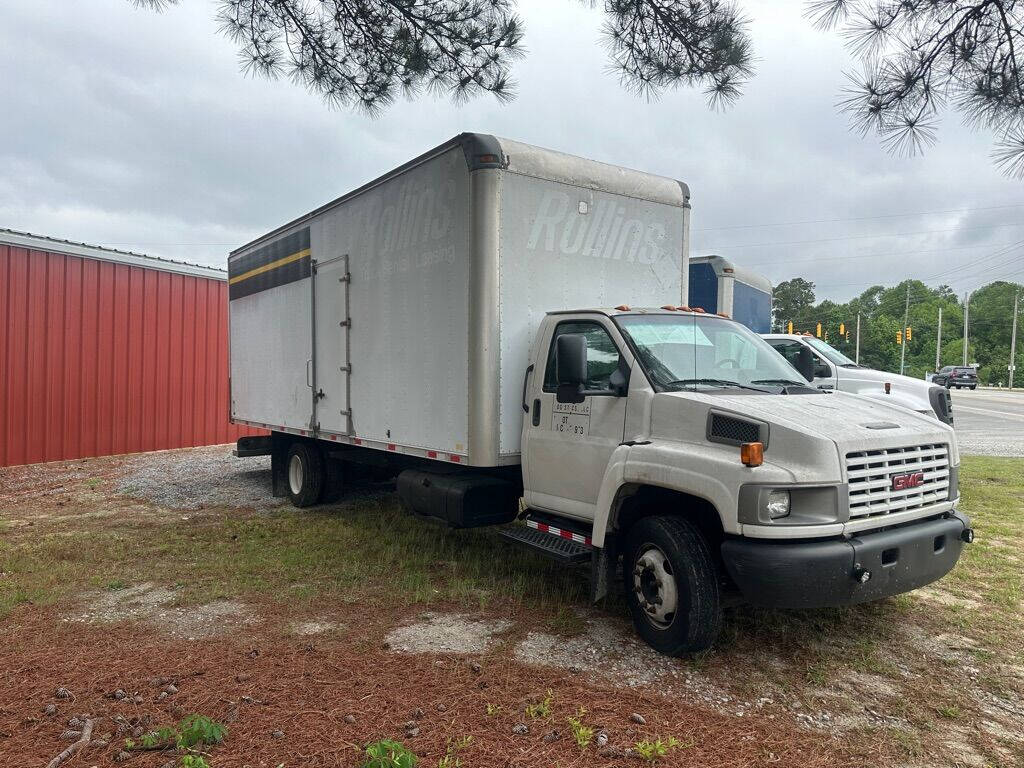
{"x":718,"y":285}
{"x":400,"y":316}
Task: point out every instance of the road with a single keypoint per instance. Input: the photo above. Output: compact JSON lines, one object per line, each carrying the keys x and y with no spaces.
{"x":989,"y":422}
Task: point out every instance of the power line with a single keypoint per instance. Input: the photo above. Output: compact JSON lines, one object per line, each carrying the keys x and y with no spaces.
{"x":857,"y":218}
{"x":860,"y":237}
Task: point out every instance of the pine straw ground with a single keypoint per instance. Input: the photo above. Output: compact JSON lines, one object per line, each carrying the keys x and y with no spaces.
{"x":304,"y":689}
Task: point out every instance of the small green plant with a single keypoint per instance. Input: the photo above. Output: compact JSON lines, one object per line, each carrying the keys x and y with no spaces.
{"x":541,"y":708}
{"x":93,"y":482}
{"x":583,"y":734}
{"x":950,"y":711}
{"x":196,"y":730}
{"x":388,"y":754}
{"x":652,"y":751}
{"x":155,"y":738}
{"x":451,"y":758}
{"x":129,"y":743}
{"x":193,"y":761}
{"x":492,"y":709}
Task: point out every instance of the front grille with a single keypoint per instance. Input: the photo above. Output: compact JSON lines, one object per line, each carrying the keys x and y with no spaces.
{"x":871,"y":479}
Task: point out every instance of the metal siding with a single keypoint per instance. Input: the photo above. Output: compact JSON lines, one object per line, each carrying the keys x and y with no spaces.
{"x":100,"y":357}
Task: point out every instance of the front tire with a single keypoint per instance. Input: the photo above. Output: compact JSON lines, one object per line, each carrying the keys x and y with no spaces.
{"x":305,"y":473}
{"x":974,"y":387}
{"x":672,"y":585}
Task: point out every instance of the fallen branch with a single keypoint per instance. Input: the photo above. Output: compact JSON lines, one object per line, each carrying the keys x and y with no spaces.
{"x":84,"y":739}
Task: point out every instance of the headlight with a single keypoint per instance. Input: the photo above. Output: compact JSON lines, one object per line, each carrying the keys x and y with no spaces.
{"x":778,"y":504}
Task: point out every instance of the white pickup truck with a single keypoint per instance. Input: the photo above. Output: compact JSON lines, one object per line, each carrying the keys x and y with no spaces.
{"x":825,"y":367}
{"x":451,"y":325}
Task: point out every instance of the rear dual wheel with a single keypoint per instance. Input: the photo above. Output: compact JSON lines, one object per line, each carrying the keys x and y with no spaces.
{"x":305,"y":474}
{"x":672,"y":585}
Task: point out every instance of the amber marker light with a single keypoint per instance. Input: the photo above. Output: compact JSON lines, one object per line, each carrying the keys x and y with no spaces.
{"x":752,"y":454}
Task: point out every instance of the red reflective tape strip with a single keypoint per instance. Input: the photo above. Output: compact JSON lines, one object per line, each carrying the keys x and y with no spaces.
{"x":431,"y":454}
{"x":545,"y":528}
{"x":391,"y":446}
{"x":357,"y":440}
{"x":455,"y":458}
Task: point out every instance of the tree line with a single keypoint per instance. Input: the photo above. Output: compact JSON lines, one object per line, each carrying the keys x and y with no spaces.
{"x":881,"y":312}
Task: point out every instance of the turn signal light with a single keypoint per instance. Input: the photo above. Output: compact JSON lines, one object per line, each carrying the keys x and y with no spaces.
{"x":752,"y":454}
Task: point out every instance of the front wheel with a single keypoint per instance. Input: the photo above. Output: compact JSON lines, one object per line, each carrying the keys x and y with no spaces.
{"x":974,"y":387}
{"x":305,"y":474}
{"x":672,"y":585}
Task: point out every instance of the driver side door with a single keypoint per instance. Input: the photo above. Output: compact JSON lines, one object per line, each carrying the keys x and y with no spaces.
{"x":566,"y":446}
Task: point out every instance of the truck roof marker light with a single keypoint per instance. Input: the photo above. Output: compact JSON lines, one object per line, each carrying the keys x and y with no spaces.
{"x":699,"y":310}
{"x":752,"y":454}
{"x":888,"y":387}
{"x":728,"y":269}
{"x":622,"y":308}
{"x":722,"y":314}
{"x":487,"y":158}
{"x":684,"y":308}
{"x":669,"y":307}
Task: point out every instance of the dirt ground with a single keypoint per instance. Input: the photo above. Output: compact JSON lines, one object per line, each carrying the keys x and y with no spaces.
{"x":137,"y":590}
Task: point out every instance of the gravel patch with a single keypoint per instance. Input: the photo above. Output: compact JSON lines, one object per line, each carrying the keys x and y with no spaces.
{"x":154,"y":605}
{"x":310,"y":628}
{"x":197,"y":478}
{"x":446,"y":633}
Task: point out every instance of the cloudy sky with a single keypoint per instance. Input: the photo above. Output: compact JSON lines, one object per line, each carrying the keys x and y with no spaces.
{"x":136,"y":130}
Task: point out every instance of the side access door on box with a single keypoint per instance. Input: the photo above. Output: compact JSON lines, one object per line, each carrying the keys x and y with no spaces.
{"x":566,"y":447}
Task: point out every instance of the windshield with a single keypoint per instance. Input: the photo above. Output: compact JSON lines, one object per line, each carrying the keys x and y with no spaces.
{"x":829,"y":351}
{"x":694,"y":351}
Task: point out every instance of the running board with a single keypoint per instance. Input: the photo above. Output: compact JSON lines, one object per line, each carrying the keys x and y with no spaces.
{"x":545,"y":539}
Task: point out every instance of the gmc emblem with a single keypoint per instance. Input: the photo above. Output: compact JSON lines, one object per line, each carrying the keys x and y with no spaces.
{"x":909,"y":480}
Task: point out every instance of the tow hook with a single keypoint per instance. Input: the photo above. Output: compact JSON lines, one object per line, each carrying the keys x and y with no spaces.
{"x":967,"y":535}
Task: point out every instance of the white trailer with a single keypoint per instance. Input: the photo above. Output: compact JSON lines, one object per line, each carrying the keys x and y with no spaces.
{"x":494,"y":323}
{"x":400,"y":316}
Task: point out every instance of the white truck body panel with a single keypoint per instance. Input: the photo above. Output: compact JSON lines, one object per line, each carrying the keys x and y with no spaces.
{"x":453,"y":262}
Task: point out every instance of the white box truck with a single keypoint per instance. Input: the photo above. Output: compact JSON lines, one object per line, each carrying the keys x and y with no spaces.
{"x":492,"y":322}
{"x":718,"y":285}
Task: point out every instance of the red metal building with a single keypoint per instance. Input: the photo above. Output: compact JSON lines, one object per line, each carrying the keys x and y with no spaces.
{"x":106,"y":352}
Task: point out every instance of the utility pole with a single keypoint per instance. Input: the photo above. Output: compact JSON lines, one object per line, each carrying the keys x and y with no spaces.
{"x":967,"y":315}
{"x":906,"y":317}
{"x":856,"y":358}
{"x":938,"y":342}
{"x":1013,"y":340}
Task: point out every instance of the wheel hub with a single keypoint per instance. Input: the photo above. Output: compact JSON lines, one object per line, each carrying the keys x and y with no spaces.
{"x":654,"y":586}
{"x":295,"y":474}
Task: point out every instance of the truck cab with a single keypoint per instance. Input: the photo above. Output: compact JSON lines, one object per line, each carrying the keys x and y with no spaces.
{"x":683,"y":443}
{"x":833,"y":370}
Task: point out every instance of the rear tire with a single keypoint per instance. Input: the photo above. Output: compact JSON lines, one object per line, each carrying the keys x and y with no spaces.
{"x":974,"y":387}
{"x":672,"y":585}
{"x":305,"y":473}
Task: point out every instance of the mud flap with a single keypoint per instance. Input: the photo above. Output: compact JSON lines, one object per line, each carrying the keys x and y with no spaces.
{"x":279,"y":463}
{"x":603,"y":564}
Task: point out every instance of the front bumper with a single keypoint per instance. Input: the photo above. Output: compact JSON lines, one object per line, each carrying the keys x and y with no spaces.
{"x":818,"y":574}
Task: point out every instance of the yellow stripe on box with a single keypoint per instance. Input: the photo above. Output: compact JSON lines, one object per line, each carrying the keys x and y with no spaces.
{"x":267,"y":267}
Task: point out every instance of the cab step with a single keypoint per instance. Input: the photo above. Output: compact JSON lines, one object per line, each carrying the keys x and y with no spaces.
{"x":548,"y":539}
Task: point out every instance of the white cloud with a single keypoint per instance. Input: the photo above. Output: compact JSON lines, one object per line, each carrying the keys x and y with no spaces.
{"x":135,"y":129}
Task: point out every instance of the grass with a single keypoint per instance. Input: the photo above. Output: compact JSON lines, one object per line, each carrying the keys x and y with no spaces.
{"x":291,"y":555}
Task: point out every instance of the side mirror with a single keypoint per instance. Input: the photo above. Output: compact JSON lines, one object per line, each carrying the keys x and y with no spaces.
{"x":822,"y":371}
{"x":805,"y":363}
{"x":571,"y":367}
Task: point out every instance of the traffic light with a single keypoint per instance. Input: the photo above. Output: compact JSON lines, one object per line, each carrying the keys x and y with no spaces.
{"x":819,"y":330}
{"x":899,"y":337}
{"x":789,"y":328}
{"x":842,"y":329}
{"x":908,"y":333}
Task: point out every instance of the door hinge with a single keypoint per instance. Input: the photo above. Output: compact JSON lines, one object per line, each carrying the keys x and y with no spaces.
{"x":346,"y":368}
{"x":346,"y":278}
{"x":319,"y":394}
{"x":346,"y":323}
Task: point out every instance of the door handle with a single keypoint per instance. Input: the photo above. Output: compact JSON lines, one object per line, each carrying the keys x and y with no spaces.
{"x":309,"y":378}
{"x":536,"y":412}
{"x":526,"y":379}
